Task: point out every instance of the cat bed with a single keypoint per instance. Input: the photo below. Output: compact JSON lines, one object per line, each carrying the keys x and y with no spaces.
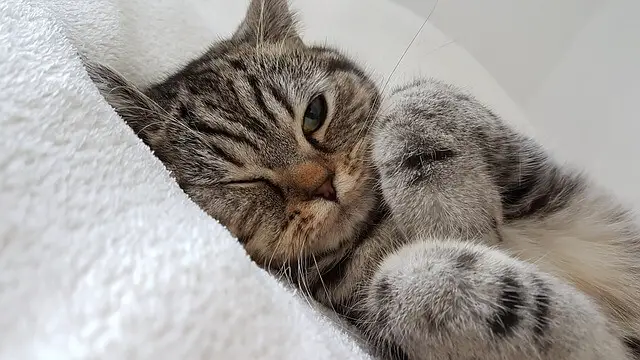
{"x":102,"y":256}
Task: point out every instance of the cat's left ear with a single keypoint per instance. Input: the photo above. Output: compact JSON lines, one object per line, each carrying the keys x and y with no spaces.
{"x":141,"y":113}
{"x":269,"y":21}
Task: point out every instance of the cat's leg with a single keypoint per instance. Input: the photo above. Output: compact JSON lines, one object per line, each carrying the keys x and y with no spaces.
{"x":437,"y":300}
{"x":450,"y":168}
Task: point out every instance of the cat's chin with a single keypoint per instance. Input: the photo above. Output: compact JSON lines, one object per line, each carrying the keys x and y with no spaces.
{"x":342,"y":220}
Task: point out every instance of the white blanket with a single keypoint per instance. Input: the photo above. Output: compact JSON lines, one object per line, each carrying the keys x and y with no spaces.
{"x":101,"y":254}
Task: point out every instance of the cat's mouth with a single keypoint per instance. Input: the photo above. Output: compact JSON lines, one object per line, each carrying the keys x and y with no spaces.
{"x":327,"y":218}
{"x":341,"y":213}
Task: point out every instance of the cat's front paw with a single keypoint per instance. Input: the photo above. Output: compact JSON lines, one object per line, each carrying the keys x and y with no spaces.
{"x":452,"y":300}
{"x":428,"y":149}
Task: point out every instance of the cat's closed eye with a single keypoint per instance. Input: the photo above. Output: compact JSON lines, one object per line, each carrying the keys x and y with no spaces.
{"x":251,"y":182}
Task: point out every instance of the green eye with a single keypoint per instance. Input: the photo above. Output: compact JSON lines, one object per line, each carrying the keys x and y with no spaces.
{"x":315,"y":115}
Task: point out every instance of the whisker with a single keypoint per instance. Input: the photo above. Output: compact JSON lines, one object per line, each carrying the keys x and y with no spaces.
{"x":304,"y":286}
{"x":169,"y":119}
{"x":406,"y":50}
{"x":260,"y":37}
{"x":440,"y":47}
{"x":166,"y":116}
{"x":275,"y":249}
{"x":326,"y":291}
{"x":371,"y":116}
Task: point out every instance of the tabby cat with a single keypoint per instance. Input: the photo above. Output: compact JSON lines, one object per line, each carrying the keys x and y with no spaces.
{"x":427,"y":222}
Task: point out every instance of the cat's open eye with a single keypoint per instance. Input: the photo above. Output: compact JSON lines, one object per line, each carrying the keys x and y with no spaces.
{"x":315,"y":115}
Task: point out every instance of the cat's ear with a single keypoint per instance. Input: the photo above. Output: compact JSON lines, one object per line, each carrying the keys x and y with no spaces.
{"x":141,"y":113}
{"x":268,"y":21}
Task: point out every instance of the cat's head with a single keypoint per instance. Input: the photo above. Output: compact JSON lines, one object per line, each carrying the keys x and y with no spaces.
{"x":268,"y":135}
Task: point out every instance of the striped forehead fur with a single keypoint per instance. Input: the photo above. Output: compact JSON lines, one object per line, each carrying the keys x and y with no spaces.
{"x":231,"y":129}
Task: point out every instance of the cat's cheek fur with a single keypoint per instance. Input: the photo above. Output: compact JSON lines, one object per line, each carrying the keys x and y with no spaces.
{"x":437,"y":300}
{"x":307,"y":230}
{"x":353,"y":182}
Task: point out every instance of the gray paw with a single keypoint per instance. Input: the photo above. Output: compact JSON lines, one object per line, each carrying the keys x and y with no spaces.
{"x":433,"y":170}
{"x":451,"y":300}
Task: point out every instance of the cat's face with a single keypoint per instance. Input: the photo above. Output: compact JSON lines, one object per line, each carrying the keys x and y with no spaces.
{"x":270,"y":137}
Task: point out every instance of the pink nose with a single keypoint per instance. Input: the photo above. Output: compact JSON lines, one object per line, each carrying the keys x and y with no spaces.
{"x":326,"y":190}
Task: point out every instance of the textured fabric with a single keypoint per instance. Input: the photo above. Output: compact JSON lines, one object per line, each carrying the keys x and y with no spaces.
{"x":101,"y":254}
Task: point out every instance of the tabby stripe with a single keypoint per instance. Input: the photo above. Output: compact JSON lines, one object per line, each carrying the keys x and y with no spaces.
{"x":323,"y":50}
{"x":542,"y":302}
{"x":219,"y":108}
{"x":279,"y":96}
{"x":253,"y":126}
{"x":392,"y":351}
{"x":238,"y":65}
{"x":633,"y":344}
{"x":506,"y":318}
{"x":407,"y":86}
{"x":541,"y":312}
{"x":539,"y":192}
{"x":275,"y":188}
{"x":225,"y":156}
{"x":239,"y":138}
{"x":316,"y":144}
{"x":259,"y":126}
{"x":194,"y":122}
{"x":339,"y":64}
{"x":259,"y":97}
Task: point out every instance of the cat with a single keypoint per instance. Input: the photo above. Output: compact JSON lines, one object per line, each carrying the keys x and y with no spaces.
{"x":422,"y":218}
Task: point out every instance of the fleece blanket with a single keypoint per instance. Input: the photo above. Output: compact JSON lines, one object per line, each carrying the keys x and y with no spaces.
{"x":102,"y":256}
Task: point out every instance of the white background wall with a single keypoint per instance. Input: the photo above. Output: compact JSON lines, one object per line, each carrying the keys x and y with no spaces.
{"x":587,"y":106}
{"x":572,"y":66}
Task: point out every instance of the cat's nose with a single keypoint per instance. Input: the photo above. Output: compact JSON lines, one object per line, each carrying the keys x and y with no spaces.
{"x":311,"y":180}
{"x":326,"y":190}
